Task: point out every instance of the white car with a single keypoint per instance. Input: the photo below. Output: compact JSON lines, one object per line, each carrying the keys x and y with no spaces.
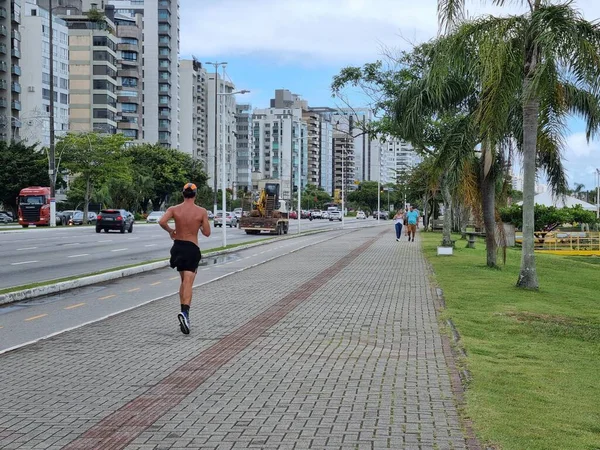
{"x":154,"y":216}
{"x":361,"y":215}
{"x":238,"y":213}
{"x":335,"y":215}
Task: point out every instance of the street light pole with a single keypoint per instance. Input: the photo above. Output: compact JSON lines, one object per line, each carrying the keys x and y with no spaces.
{"x":379,"y":186}
{"x":215,"y":185}
{"x":597,"y":193}
{"x":299,"y":182}
{"x":51,"y":150}
{"x":343,"y":174}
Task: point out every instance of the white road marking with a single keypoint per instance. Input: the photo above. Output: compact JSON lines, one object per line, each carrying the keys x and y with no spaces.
{"x":150,"y":245}
{"x":27,"y":248}
{"x":133,"y":290}
{"x":108,"y":240}
{"x":75,"y":306}
{"x":119,"y":250}
{"x":207,"y":268}
{"x":22,"y":262}
{"x":73,"y":243}
{"x":133,"y":238}
{"x":77,"y":256}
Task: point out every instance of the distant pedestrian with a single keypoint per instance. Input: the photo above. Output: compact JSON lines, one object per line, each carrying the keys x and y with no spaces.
{"x":412,"y":217}
{"x":398,"y":222}
{"x":185,"y":253}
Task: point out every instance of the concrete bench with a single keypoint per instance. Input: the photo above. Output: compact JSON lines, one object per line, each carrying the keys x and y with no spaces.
{"x":471,"y":235}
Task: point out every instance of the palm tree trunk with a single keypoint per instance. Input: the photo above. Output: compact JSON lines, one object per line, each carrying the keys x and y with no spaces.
{"x":446,"y":232}
{"x":488,"y":206}
{"x":528,"y":274}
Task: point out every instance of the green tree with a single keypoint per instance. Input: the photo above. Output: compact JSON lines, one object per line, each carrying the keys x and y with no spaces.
{"x":314,"y":197}
{"x":168,"y":169}
{"x":20,"y":166}
{"x":365,"y":196}
{"x":95,"y":158}
{"x":547,"y":58}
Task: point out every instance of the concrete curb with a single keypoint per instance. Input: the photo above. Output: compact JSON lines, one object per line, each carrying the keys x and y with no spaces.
{"x":25,"y":294}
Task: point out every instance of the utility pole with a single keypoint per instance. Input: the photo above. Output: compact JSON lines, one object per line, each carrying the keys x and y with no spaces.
{"x":51,"y":155}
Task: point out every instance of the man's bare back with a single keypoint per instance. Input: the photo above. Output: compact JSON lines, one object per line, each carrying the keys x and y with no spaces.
{"x":189,"y":219}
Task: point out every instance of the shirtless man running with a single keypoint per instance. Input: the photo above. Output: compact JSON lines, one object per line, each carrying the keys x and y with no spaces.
{"x":185,"y":253}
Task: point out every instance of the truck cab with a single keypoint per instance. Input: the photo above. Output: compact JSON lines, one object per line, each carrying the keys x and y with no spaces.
{"x":34,"y":206}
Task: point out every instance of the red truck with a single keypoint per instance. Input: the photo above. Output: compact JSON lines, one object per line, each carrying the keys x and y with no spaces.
{"x":33,"y":206}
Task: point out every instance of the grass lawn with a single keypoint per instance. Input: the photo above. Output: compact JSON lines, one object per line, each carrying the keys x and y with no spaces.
{"x":534,"y":357}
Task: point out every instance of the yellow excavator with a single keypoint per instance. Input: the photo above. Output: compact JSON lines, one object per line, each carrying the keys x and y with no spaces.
{"x":268,"y":213}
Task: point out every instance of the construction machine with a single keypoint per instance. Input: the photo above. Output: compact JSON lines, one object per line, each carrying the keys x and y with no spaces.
{"x":268,"y":213}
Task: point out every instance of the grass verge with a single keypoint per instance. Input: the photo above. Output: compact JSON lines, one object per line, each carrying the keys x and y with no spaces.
{"x":534,"y":356}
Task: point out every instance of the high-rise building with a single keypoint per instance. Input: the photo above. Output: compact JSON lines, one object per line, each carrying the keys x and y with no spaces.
{"x":226,"y":130}
{"x":313,"y":160}
{"x":129,"y":75}
{"x":343,"y":162}
{"x":10,"y":69}
{"x":243,"y":118}
{"x":35,"y":78}
{"x":92,"y":73}
{"x":160,"y":66}
{"x":193,"y":109}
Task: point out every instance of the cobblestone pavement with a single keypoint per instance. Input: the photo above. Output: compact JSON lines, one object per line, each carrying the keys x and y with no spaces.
{"x":331,"y":347}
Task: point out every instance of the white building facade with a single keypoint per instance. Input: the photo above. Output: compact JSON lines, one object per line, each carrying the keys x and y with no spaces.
{"x":35,"y":79}
{"x":160,"y":67}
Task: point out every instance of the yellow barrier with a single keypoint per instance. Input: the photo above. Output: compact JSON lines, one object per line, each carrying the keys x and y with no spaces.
{"x":570,"y":243}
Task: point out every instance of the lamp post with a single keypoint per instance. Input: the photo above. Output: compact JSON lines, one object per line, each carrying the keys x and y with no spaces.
{"x":51,"y":156}
{"x":223,"y":178}
{"x":216,"y":64}
{"x":597,"y":193}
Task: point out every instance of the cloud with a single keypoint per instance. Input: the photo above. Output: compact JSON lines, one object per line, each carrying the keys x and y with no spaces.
{"x":581,"y":159}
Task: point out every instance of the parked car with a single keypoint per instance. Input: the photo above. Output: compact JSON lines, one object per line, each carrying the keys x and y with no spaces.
{"x":210,"y":214}
{"x":293,"y":215}
{"x":154,"y":216}
{"x":315,"y":214}
{"x":9,"y":214}
{"x":230,"y":219}
{"x":77,"y":218}
{"x":383,"y":215}
{"x":114,"y":219}
{"x":335,"y":215}
{"x":305,"y":214}
{"x":238,"y":213}
{"x":5,"y":218}
{"x":361,"y":215}
{"x":324,"y":215}
{"x":66,"y":215}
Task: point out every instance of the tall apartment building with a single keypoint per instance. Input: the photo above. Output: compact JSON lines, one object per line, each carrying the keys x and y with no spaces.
{"x":313,"y":157}
{"x":35,"y":78}
{"x":160,"y":66}
{"x":92,"y":73}
{"x":193,"y":109}
{"x":279,"y":140}
{"x":343,"y":163}
{"x":129,"y":74}
{"x":243,"y":118}
{"x":10,"y":70}
{"x":226,"y":131}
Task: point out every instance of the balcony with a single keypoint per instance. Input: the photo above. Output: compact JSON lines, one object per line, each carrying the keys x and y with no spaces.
{"x":3,"y":66}
{"x":3,"y":103}
{"x":3,"y":85}
{"x":15,"y":17}
{"x":15,"y":87}
{"x":3,"y":49}
{"x":16,"y":35}
{"x":16,"y":105}
{"x":16,"y":70}
{"x":3,"y":13}
{"x":15,"y":52}
{"x":3,"y":30}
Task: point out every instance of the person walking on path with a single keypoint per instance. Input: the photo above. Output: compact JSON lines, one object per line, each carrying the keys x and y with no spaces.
{"x":412,"y":218}
{"x":185,"y":253}
{"x":399,"y":220}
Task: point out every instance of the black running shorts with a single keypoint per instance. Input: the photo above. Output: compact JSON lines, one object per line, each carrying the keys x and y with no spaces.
{"x":185,"y":256}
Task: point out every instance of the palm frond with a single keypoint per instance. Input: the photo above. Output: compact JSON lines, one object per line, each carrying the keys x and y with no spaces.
{"x":450,"y":13}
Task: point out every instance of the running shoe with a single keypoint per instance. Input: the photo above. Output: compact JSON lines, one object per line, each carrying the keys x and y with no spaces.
{"x":184,"y":323}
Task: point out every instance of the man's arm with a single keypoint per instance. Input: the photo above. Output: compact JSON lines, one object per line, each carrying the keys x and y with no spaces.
{"x":164,"y":222}
{"x":205,"y":226}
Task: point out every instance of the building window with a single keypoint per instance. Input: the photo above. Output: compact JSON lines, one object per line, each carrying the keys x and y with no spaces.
{"x":129,"y":40}
{"x":64,"y":99}
{"x":103,"y":41}
{"x":163,"y":123}
{"x":104,"y":85}
{"x":104,"y":114}
{"x":164,"y":135}
{"x":129,"y":82}
{"x":164,"y":28}
{"x":163,"y":63}
{"x":105,"y":70}
{"x":164,"y":51}
{"x":45,"y":78}
{"x":129,"y":107}
{"x":164,"y":40}
{"x":100,"y":99}
{"x":129,"y":56}
{"x":164,"y":14}
{"x":163,"y":100}
{"x":163,"y":75}
{"x":128,"y":93}
{"x":132,"y":134}
{"x":64,"y":83}
{"x":102,"y":55}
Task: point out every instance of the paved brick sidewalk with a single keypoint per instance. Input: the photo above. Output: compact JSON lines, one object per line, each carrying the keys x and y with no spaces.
{"x":332,"y":347}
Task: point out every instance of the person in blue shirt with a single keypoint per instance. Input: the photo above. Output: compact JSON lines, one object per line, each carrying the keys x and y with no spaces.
{"x":412,"y":217}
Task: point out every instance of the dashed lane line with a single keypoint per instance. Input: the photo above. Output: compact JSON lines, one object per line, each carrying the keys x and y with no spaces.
{"x":174,"y":278}
{"x":36,"y":317}
{"x":150,"y":245}
{"x":27,"y":248}
{"x":119,"y":250}
{"x":23,"y":262}
{"x":77,"y":256}
{"x":106,"y":297}
{"x":74,"y":306}
{"x":155,"y":283}
{"x":133,"y":290}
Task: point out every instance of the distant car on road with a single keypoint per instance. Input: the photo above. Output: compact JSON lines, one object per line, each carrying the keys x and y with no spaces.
{"x":5,"y":218}
{"x":383,"y":215}
{"x":230,"y":219}
{"x":293,"y":215}
{"x":238,"y":213}
{"x":210,"y":214}
{"x":154,"y":216}
{"x":335,"y":215}
{"x":77,"y":218}
{"x":361,"y":215}
{"x":114,"y":219}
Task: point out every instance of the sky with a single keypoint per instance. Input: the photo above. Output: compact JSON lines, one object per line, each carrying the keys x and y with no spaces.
{"x":301,"y":44}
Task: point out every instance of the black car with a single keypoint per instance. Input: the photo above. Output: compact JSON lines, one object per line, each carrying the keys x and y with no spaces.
{"x":114,"y":219}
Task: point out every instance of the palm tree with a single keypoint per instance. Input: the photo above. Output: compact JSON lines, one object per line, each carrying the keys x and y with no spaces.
{"x":548,"y":58}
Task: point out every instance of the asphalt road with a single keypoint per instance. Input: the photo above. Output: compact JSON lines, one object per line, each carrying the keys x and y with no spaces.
{"x":36,"y":255}
{"x":26,"y":322}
